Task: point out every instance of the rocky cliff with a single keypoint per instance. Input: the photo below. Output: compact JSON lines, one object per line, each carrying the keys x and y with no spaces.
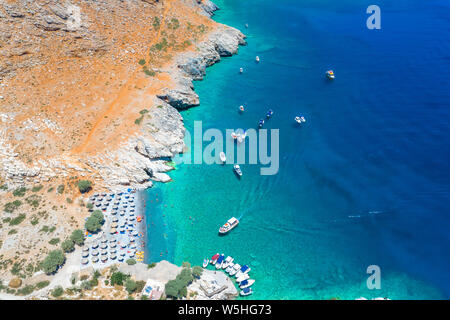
{"x":92,"y":88}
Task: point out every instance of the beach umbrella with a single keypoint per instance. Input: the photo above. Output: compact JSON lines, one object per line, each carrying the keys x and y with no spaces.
{"x":115,"y":219}
{"x":95,"y":252}
{"x":113,"y":240}
{"x":103,"y":246}
{"x":103,"y":252}
{"x":95,"y":245}
{"x":133,"y":246}
{"x":85,"y":249}
{"x":103,"y":239}
{"x":123,"y":253}
{"x":94,"y":259}
{"x":113,"y":231}
{"x":120,"y":258}
{"x":84,"y":261}
{"x":113,"y":256}
{"x":104,"y":258}
{"x":112,"y":250}
{"x":85,"y":254}
{"x":114,"y":225}
{"x":113,"y":245}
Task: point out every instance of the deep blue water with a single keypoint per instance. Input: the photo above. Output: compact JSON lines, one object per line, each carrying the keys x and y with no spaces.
{"x":365,"y":181}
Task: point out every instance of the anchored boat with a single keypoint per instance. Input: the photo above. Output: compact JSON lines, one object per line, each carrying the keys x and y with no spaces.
{"x":261,"y":123}
{"x":214,"y":258}
{"x":230,"y":224}
{"x":222,"y":157}
{"x":244,"y":269}
{"x":246,"y":283}
{"x":330,"y":74}
{"x":269,"y":113}
{"x":205,"y":263}
{"x":235,"y":269}
{"x":237,"y":169}
{"x":220,"y":261}
{"x":246,"y":292}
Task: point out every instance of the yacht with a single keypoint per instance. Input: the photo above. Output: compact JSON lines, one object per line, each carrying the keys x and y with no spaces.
{"x":246,"y":292}
{"x":300,"y":119}
{"x":236,"y":268}
{"x":220,"y":261}
{"x":330,"y":74}
{"x":246,"y":283}
{"x":244,"y":269}
{"x":237,"y":169}
{"x":230,"y":224}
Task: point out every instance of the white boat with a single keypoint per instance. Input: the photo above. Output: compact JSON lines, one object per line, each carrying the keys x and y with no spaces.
{"x":227,"y":262}
{"x":300,"y":119}
{"x":220,"y":261}
{"x":257,"y":58}
{"x":229,"y":268}
{"x":222,"y":157}
{"x":205,"y":263}
{"x":230,"y":224}
{"x":234,"y":135}
{"x":246,"y":292}
{"x":246,"y":25}
{"x":241,"y":70}
{"x":236,"y":268}
{"x":244,"y":269}
{"x":241,"y":108}
{"x":245,"y":276}
{"x":330,"y":74}
{"x":237,"y":169}
{"x":246,"y":283}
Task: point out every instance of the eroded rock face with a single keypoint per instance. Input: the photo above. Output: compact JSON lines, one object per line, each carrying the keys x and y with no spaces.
{"x":139,"y":159}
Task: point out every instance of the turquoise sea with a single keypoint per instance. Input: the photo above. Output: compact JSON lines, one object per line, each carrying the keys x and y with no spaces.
{"x":365,"y":181}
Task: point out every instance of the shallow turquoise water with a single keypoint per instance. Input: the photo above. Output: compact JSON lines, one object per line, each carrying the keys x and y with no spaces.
{"x":365,"y":181}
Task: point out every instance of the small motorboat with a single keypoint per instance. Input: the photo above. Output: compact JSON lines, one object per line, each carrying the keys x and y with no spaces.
{"x":240,"y":138}
{"x":245,"y":276}
{"x":220,"y":261}
{"x":234,"y":135}
{"x":241,"y":108}
{"x":246,"y":283}
{"x":229,"y":225}
{"x":269,"y":113}
{"x":236,"y":268}
{"x":246,"y":292}
{"x":227,"y":262}
{"x":205,"y":263}
{"x":214,"y":258}
{"x":246,"y":25}
{"x":257,"y":58}
{"x":300,"y":119}
{"x":261,"y":123}
{"x":241,"y":70}
{"x":222,"y":157}
{"x":237,"y":169}
{"x":330,"y":74}
{"x":229,"y":268}
{"x":244,"y":269}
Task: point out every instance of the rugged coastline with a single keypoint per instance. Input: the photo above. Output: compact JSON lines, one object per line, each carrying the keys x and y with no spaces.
{"x":133,"y":161}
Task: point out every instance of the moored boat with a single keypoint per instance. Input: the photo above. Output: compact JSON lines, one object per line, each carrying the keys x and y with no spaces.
{"x":229,"y":268}
{"x":241,"y":70}
{"x":257,"y":58}
{"x":227,"y":262}
{"x":220,"y":261}
{"x":222,"y":157}
{"x":214,"y":258}
{"x":205,"y":263}
{"x":246,"y":283}
{"x":237,"y":169}
{"x":236,"y":268}
{"x":230,"y":224}
{"x":246,"y":292}
{"x":245,"y":276}
{"x":269,"y":113}
{"x":244,"y":269}
{"x":241,"y":108}
{"x":300,"y":119}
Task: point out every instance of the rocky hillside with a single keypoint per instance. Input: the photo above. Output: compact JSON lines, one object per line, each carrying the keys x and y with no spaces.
{"x":91,"y":88}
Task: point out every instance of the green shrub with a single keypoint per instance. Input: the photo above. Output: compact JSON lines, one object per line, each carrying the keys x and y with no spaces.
{"x":42,"y":284}
{"x":130,"y":286}
{"x":151,"y":265}
{"x":84,"y":185}
{"x":12,"y":231}
{"x":140,"y":285}
{"x":17,"y":220}
{"x":10,"y":207}
{"x":117,"y":278}
{"x":20,"y":192}
{"x":156,"y":23}
{"x":54,"y":241}
{"x":60,"y":189}
{"x":53,"y":261}
{"x":77,"y":237}
{"x":142,"y":62}
{"x":28,"y":289}
{"x":197,"y":271}
{"x":69,"y":200}
{"x":131,"y":262}
{"x":57,"y":292}
{"x":90,"y":205}
{"x":68,"y":245}
{"x":178,"y":287}
{"x":37,"y":188}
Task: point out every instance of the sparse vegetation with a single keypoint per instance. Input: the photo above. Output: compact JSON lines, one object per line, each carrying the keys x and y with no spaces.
{"x":57,"y":292}
{"x":60,"y":189}
{"x":84,"y":185}
{"x":37,"y":188}
{"x":10,"y":207}
{"x":17,"y":220}
{"x":142,"y":62}
{"x":131,"y":262}
{"x":20,"y":192}
{"x":54,"y":241}
{"x":53,"y":261}
{"x":77,"y":237}
{"x":94,"y":222}
{"x":177,"y":288}
{"x":117,"y":278}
